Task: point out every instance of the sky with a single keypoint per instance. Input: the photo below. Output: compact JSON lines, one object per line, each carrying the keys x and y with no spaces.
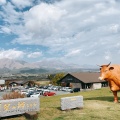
{"x":72,"y":31}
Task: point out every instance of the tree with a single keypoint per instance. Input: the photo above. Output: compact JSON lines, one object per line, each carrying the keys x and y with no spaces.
{"x":31,"y":83}
{"x":56,"y":78}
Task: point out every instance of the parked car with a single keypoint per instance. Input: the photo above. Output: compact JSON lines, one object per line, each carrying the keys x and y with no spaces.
{"x":75,"y":90}
{"x":49,"y":94}
{"x":68,"y":89}
{"x":40,"y":90}
{"x":36,"y":94}
{"x":24,"y":92}
{"x":30,"y":93}
{"x":55,"y":88}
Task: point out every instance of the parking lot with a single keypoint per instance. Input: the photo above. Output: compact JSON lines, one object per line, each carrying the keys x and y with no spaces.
{"x":57,"y":92}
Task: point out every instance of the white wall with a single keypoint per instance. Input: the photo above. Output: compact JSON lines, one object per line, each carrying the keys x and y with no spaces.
{"x":2,"y":82}
{"x":97,"y":85}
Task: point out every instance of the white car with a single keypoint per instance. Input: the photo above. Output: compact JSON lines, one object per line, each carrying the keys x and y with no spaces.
{"x":68,"y":89}
{"x":36,"y":94}
{"x":45,"y":90}
{"x":24,"y":92}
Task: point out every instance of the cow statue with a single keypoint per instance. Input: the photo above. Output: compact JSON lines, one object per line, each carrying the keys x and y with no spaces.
{"x":111,"y":73}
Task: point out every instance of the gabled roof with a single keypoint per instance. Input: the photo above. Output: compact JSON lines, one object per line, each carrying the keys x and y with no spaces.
{"x":19,"y":82}
{"x":87,"y":77}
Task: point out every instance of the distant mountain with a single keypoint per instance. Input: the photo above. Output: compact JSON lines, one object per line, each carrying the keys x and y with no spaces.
{"x":34,"y":71}
{"x":52,"y":64}
{"x":15,"y":64}
{"x":19,"y":66}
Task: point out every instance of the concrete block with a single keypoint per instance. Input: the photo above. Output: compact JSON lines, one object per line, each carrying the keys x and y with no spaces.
{"x":71,"y":102}
{"x":18,"y":106}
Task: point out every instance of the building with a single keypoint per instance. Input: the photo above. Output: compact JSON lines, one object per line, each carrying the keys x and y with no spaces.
{"x":15,"y":82}
{"x":18,"y":83}
{"x":2,"y":84}
{"x":83,"y":80}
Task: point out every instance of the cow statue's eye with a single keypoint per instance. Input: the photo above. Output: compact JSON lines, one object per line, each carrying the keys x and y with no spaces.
{"x":100,"y":68}
{"x":106,"y":70}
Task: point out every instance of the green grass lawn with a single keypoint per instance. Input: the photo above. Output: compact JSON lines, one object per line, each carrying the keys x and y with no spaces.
{"x":98,"y":105}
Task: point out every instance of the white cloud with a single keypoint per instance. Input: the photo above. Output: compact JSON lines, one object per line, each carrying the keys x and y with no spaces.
{"x":73,"y":53}
{"x":115,"y":28}
{"x":107,"y":55}
{"x":11,"y":53}
{"x":90,"y":53}
{"x":6,"y":30}
{"x":43,"y":27}
{"x":35,"y":55}
{"x":22,"y":3}
{"x":2,"y":2}
{"x":110,"y":11}
{"x":73,"y":28}
{"x":10,"y":16}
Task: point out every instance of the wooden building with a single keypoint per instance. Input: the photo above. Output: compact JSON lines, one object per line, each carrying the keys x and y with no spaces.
{"x":15,"y":82}
{"x":83,"y":80}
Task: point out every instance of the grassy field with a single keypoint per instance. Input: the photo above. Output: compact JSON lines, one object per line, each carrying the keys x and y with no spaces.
{"x":98,"y":105}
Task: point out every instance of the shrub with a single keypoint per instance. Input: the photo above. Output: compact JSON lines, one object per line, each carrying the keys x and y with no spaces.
{"x":13,"y":95}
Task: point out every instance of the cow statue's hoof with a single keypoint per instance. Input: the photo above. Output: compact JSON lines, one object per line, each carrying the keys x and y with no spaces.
{"x":116,"y":101}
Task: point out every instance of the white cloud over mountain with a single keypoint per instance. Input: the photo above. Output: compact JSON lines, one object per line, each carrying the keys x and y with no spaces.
{"x":11,"y":53}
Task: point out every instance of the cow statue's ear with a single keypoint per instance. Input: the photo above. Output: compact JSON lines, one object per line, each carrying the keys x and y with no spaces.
{"x":111,"y":68}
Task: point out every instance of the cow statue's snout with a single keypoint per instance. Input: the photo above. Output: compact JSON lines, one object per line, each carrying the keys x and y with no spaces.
{"x":100,"y":78}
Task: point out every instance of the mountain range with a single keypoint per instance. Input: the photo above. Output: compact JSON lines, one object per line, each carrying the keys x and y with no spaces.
{"x":19,"y":66}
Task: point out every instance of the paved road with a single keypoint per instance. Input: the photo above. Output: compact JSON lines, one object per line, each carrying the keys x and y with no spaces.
{"x":60,"y":92}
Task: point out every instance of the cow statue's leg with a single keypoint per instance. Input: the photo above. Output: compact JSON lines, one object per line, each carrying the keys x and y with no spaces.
{"x":114,"y":88}
{"x":115,"y":96}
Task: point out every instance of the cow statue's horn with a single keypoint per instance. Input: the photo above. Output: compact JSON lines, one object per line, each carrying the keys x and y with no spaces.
{"x":102,"y":65}
{"x":108,"y":64}
{"x":99,"y":65}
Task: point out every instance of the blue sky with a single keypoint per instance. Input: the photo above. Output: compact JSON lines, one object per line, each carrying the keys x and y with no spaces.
{"x":73,"y":31}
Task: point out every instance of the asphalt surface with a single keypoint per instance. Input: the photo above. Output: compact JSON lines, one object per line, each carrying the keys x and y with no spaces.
{"x":60,"y":92}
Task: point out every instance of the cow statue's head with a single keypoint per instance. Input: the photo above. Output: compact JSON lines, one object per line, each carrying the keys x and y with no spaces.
{"x":105,"y":71}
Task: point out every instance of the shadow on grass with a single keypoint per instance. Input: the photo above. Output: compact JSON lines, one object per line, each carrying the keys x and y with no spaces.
{"x":59,"y":108}
{"x":12,"y":116}
{"x":106,"y":98}
{"x":18,"y":117}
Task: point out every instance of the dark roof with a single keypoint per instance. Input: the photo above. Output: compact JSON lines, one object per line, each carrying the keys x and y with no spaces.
{"x":18,"y":82}
{"x":87,"y":77}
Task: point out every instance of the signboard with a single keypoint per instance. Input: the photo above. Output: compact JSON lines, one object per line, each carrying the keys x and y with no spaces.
{"x":18,"y":106}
